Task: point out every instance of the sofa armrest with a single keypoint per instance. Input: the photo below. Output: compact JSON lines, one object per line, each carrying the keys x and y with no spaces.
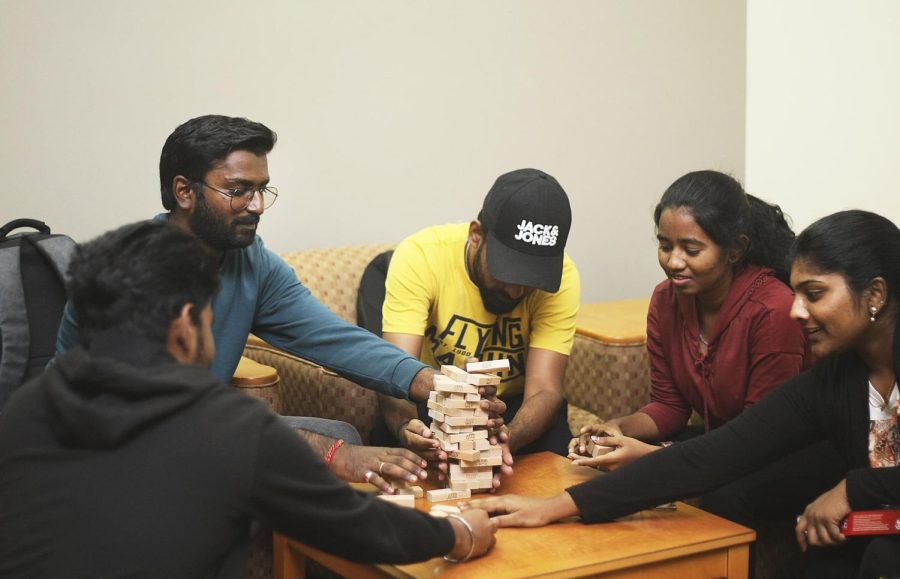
{"x":608,"y":373}
{"x":307,"y":389}
{"x":608,"y":380}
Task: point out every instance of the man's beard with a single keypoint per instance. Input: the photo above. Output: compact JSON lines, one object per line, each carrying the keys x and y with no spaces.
{"x":215,"y":232}
{"x":495,"y":300}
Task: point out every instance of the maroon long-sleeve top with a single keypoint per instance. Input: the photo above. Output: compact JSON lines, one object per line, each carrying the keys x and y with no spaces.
{"x":754,"y":346}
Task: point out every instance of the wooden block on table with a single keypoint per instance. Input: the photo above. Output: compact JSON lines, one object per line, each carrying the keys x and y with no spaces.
{"x":417,"y":491}
{"x":455,"y":373}
{"x":403,"y":500}
{"x":438,"y":495}
{"x":446,"y":508}
{"x":488,"y":366}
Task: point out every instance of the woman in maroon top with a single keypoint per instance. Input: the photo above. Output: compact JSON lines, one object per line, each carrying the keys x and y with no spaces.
{"x":719,"y":336}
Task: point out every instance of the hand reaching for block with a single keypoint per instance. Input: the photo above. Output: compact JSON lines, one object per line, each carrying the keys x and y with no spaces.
{"x":381,"y":466}
{"x":418,"y":438}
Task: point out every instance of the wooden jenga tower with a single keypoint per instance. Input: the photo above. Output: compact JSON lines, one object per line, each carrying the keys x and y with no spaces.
{"x":460,"y":425}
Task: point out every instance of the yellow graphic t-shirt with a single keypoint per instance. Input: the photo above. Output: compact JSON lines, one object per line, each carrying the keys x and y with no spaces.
{"x":429,"y":293}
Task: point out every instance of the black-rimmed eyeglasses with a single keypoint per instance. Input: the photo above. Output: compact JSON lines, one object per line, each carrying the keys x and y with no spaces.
{"x":240,"y":199}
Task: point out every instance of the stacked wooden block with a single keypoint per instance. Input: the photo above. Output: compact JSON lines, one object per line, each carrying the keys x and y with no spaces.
{"x":460,"y":425}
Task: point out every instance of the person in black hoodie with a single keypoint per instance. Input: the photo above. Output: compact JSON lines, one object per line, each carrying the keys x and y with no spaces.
{"x":129,"y":458}
{"x":846,"y":280}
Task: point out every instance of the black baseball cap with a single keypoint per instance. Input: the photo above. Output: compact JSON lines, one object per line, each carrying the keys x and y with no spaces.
{"x":528,"y":217}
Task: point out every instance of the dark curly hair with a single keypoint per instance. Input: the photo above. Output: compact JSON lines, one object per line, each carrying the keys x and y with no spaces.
{"x":725,"y":212}
{"x":138,"y":277}
{"x":197,"y":145}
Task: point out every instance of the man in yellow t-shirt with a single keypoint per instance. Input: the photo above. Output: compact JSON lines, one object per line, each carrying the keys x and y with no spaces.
{"x":498,"y":287}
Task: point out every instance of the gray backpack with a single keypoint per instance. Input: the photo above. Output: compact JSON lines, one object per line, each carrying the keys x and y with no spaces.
{"x":33,"y":273}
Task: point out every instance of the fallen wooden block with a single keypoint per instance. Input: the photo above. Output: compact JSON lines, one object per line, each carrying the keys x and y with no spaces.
{"x":417,"y":491}
{"x":488,"y":366}
{"x":446,"y":508}
{"x":438,"y":495}
{"x":403,"y":500}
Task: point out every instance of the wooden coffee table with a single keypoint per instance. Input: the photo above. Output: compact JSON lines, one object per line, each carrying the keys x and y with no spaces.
{"x":686,"y":542}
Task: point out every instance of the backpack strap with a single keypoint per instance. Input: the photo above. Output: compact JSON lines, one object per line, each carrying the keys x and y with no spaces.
{"x":15,"y":338}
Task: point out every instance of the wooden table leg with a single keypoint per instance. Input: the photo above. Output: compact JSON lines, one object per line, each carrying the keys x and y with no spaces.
{"x":289,"y":563}
{"x":738,"y":562}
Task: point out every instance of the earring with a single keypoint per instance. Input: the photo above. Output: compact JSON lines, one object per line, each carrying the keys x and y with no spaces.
{"x":873,"y":311}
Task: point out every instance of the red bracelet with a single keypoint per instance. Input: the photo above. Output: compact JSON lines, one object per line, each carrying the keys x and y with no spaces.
{"x":329,"y":456}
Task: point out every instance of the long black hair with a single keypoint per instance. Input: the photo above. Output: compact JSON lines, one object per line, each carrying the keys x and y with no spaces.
{"x":722,"y":208}
{"x":856,"y":244}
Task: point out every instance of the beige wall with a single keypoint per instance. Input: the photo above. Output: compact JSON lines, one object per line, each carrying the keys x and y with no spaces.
{"x":391,"y":115}
{"x":823,"y":91}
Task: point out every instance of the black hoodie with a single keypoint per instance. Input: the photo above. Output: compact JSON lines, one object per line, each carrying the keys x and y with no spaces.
{"x":119,"y":461}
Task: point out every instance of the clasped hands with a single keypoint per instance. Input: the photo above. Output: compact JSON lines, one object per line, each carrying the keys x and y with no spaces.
{"x":625,"y":448}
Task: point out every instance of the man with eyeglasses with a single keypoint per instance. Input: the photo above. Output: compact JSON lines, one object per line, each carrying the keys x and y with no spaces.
{"x":214,"y":180}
